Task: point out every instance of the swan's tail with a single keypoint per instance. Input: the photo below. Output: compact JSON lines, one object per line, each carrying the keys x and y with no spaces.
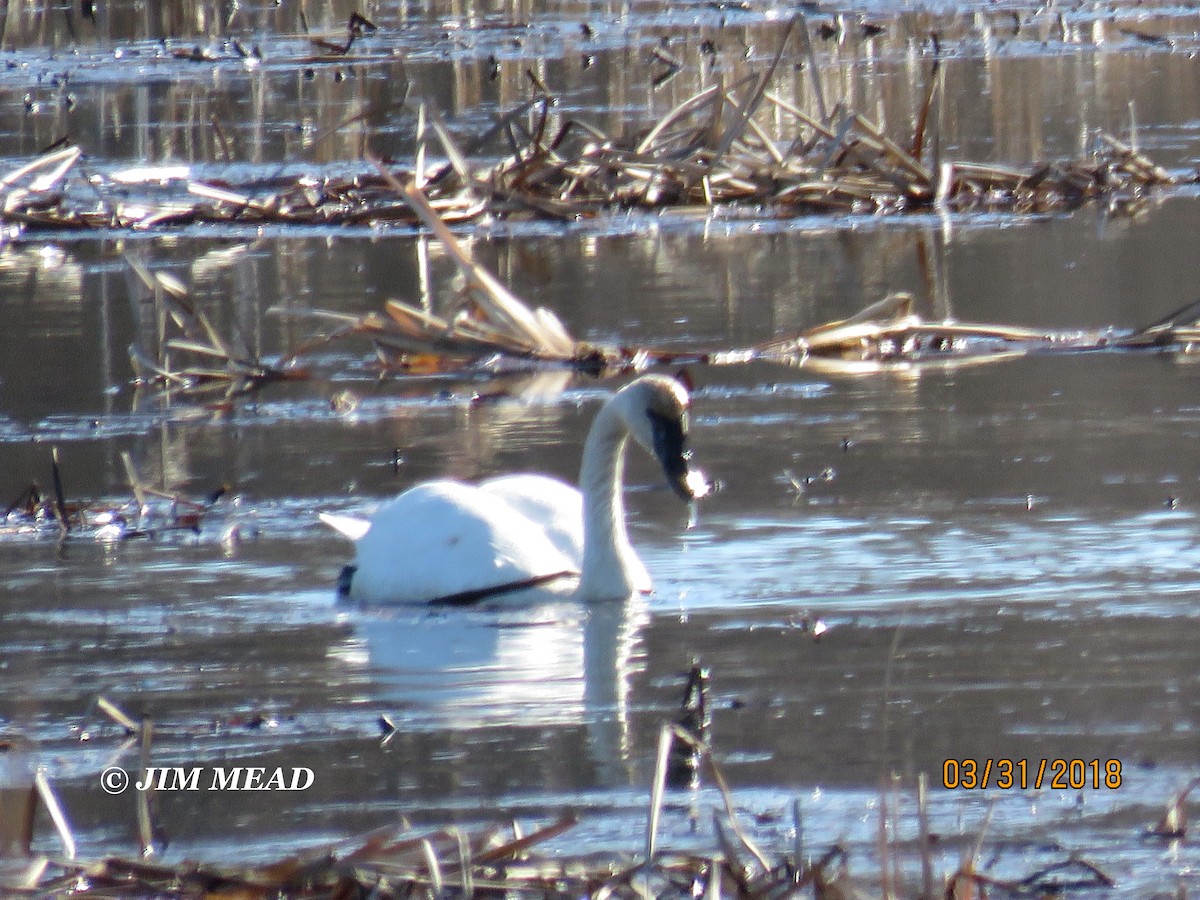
{"x":346,"y":526}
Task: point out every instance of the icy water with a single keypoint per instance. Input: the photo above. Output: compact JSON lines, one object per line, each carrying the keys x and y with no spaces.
{"x":900,"y":570}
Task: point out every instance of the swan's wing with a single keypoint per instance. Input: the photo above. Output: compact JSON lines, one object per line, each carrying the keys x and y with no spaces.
{"x":554,"y":505}
{"x":346,"y":526}
{"x":444,"y":539}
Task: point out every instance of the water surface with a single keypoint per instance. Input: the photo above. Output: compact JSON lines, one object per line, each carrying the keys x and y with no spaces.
{"x":1001,"y":559}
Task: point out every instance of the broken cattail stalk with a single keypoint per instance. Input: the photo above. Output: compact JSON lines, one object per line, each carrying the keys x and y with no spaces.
{"x":712,"y":890}
{"x":457,"y":160}
{"x":898,"y":153}
{"x":493,"y":297}
{"x":221,"y":195}
{"x":135,"y":483}
{"x":746,"y":110}
{"x":520,"y":842}
{"x":58,"y":160}
{"x":1138,"y":162}
{"x":466,"y":879}
{"x":658,"y":789}
{"x":798,"y":860}
{"x":884,"y":846}
{"x":1174,"y":823}
{"x":60,"y":503}
{"x":118,"y":715}
{"x":924,"y":837}
{"x":54,"y":809}
{"x":434,"y":868}
{"x":733,"y":863}
{"x":144,"y":796}
{"x":693,"y":103}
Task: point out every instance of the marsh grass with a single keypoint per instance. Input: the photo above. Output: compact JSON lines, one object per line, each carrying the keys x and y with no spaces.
{"x":504,"y":861}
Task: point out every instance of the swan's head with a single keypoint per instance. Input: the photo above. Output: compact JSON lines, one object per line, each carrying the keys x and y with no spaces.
{"x":655,"y":410}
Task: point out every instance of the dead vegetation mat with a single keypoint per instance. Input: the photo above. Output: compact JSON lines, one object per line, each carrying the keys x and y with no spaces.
{"x":715,"y":150}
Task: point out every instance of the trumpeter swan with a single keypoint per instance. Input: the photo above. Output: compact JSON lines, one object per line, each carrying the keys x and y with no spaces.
{"x":448,"y":542}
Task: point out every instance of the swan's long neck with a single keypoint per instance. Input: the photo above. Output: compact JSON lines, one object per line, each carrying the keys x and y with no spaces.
{"x":611,"y":570}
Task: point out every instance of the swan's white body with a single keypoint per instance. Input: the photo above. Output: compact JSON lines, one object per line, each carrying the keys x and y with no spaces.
{"x":444,"y":541}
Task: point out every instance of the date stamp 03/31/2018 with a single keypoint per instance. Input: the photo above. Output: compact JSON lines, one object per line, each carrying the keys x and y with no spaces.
{"x":1023,"y":774}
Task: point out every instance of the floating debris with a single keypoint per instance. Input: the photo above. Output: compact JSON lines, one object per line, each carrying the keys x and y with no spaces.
{"x":356,"y":27}
{"x":888,"y":332}
{"x":715,"y":149}
{"x":489,"y":322}
{"x":493,"y":330}
{"x":145,"y":514}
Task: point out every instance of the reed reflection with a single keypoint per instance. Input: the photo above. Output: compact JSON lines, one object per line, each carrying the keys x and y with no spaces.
{"x":137,"y":90}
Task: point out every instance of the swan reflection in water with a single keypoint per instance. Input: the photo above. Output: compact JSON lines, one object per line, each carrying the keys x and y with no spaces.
{"x":556,"y":663}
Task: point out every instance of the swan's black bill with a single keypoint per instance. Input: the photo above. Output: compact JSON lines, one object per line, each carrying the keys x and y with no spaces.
{"x":670,"y":446}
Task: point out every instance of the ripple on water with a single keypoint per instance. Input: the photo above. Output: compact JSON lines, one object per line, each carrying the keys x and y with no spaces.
{"x":1144,"y":563}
